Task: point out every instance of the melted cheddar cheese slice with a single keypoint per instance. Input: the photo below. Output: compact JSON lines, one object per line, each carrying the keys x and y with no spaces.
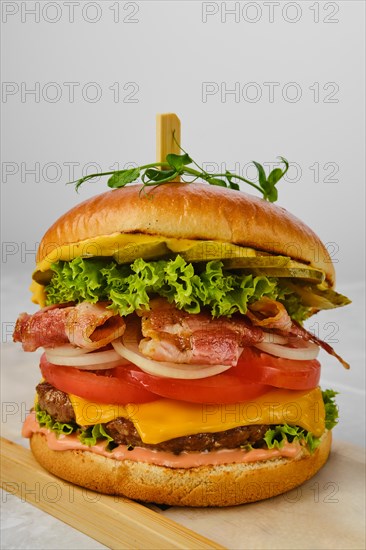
{"x":166,"y":419}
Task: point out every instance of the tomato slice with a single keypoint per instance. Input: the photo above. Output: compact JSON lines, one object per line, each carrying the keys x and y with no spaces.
{"x":129,"y":384}
{"x":253,"y":376}
{"x":262,"y":368}
{"x":100,"y":388}
{"x":221,"y":388}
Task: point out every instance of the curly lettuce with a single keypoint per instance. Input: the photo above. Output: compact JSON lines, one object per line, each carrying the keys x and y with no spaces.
{"x":46,"y":421}
{"x":277,"y":436}
{"x":331,"y":408}
{"x":89,"y":435}
{"x":93,"y":434}
{"x":191,"y":287}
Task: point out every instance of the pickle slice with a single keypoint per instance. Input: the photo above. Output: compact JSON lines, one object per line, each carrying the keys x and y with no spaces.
{"x":317,"y":296}
{"x":147,"y":251}
{"x":277,"y":266}
{"x":204,"y":251}
{"x":308,"y":274}
{"x":260,"y":262}
{"x":42,"y":277}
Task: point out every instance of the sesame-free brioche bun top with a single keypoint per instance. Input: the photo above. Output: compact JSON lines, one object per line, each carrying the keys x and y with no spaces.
{"x":192,"y":211}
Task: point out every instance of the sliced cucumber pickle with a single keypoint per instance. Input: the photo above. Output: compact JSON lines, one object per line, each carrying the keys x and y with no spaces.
{"x":147,"y":251}
{"x":317,"y":296}
{"x":204,"y":251}
{"x":42,"y":277}
{"x":126,"y":248}
{"x":260,"y":262}
{"x":308,"y":274}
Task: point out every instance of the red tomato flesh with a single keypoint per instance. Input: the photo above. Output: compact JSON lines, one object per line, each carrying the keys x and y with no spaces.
{"x":100,"y":388}
{"x":262,"y":368}
{"x":253,"y":376}
{"x":221,"y":388}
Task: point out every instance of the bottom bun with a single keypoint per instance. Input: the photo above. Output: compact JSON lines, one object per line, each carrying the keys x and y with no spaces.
{"x":224,"y":485}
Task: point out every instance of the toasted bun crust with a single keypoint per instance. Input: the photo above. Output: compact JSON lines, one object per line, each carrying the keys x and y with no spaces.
{"x":196,"y":211}
{"x":226,"y":485}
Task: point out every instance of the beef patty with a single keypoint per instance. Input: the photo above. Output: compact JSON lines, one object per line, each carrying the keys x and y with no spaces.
{"x":58,"y":405}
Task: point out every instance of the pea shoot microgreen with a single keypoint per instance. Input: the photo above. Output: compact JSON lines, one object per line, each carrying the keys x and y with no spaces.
{"x":181,"y":166}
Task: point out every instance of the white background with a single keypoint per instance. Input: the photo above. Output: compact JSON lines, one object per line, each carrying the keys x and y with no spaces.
{"x":297,"y":69}
{"x":163,"y":53}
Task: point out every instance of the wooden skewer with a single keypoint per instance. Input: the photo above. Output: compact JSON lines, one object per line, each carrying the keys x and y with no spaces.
{"x":114,"y":521}
{"x":166,"y":124}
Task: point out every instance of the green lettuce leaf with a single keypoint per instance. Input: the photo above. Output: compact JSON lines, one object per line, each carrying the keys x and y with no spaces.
{"x":331,"y":408}
{"x":294,"y":308}
{"x":88,"y":436}
{"x":76,"y":281}
{"x":191,"y":287}
{"x":276,"y":437}
{"x":46,"y":421}
{"x":95,"y":433}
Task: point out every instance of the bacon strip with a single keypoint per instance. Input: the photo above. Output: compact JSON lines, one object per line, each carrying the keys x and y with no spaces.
{"x":44,"y":328}
{"x":89,"y":326}
{"x":170,"y":334}
{"x":175,"y":335}
{"x":270,"y":314}
{"x":298,"y":330}
{"x":93,"y":326}
{"x":273,"y":315}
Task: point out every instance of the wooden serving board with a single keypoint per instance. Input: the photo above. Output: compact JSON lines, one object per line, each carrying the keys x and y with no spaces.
{"x":326,"y":512}
{"x":113,"y":521}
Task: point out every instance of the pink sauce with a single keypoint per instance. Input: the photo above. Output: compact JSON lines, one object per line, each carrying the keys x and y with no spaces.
{"x":160,"y":458}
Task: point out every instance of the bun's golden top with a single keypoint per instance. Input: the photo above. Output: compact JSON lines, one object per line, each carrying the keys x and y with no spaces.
{"x":194,"y":211}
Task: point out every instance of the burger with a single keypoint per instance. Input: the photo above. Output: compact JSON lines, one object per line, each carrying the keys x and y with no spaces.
{"x":176,"y":367}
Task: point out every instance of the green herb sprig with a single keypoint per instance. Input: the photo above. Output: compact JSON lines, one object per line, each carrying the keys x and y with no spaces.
{"x":179,"y":166}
